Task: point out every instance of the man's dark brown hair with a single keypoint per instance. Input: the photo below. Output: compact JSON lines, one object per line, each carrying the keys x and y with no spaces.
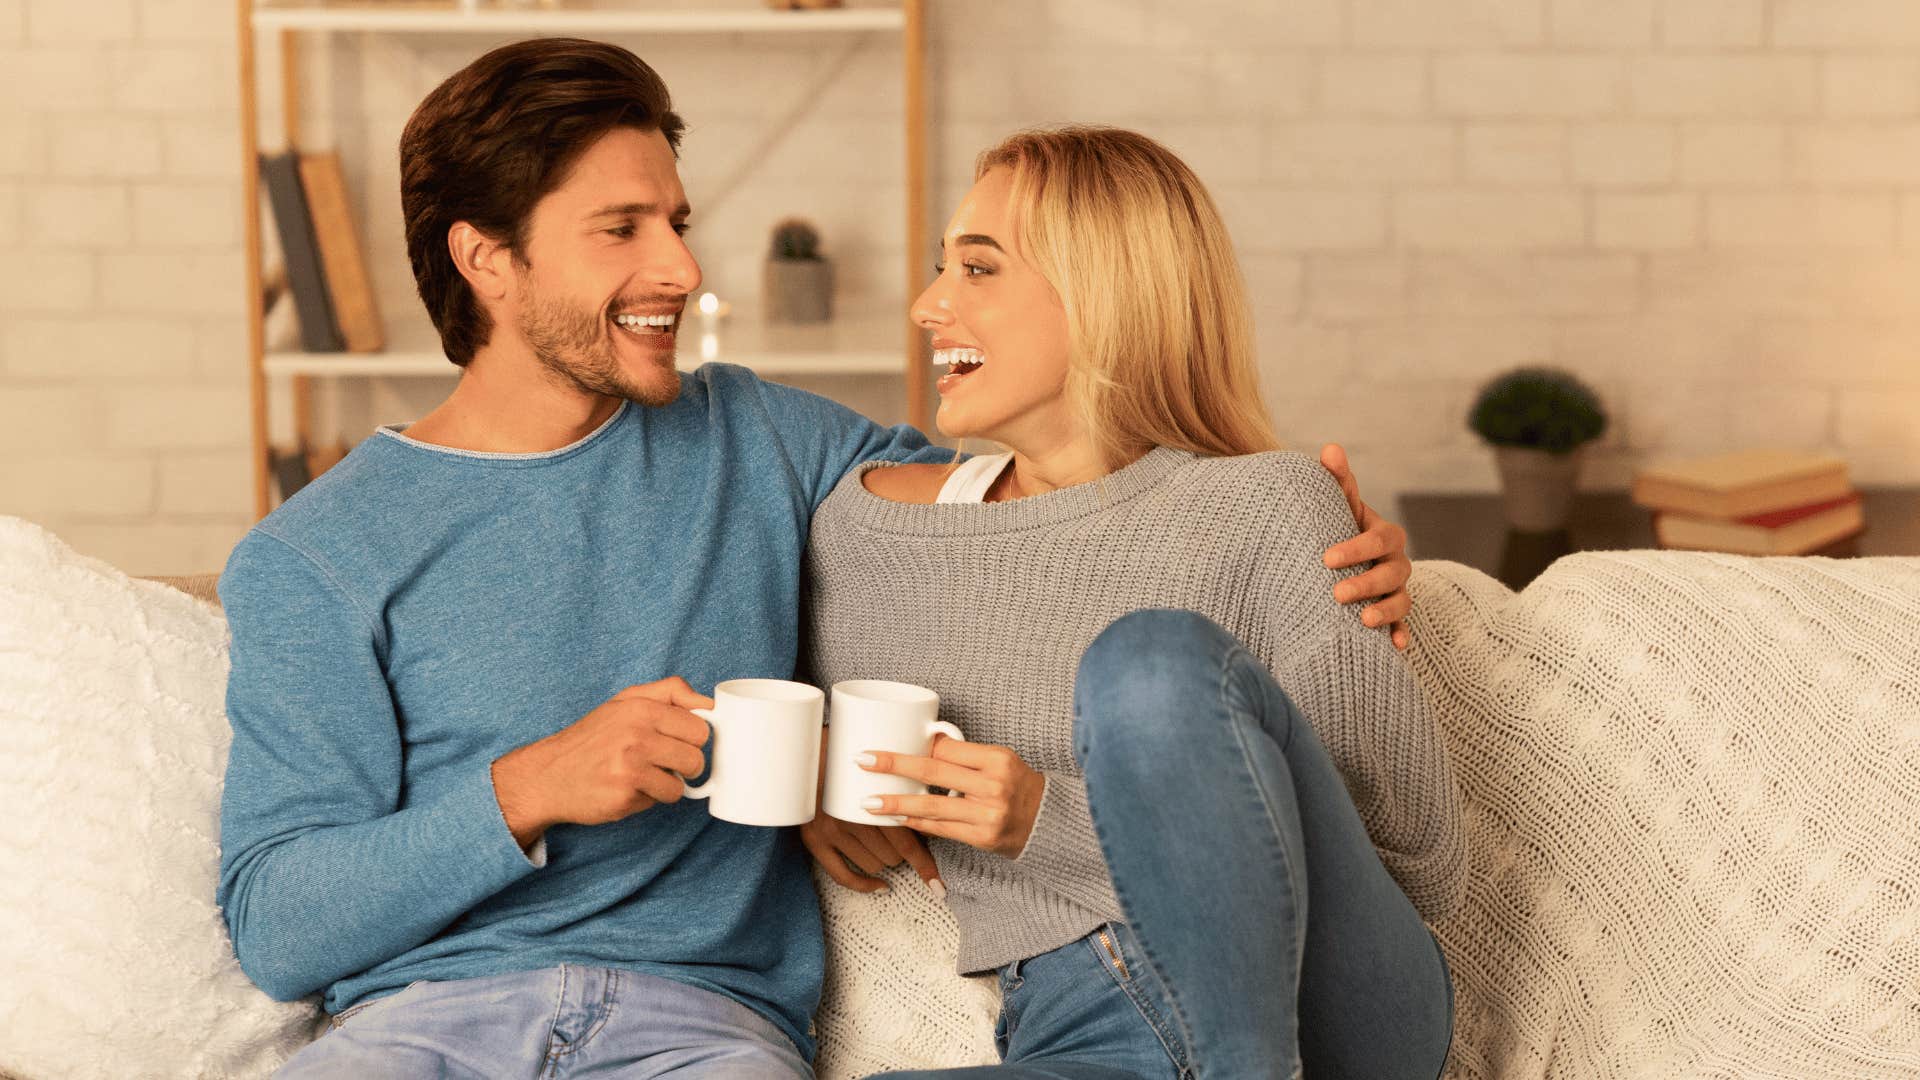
{"x":496,"y":137}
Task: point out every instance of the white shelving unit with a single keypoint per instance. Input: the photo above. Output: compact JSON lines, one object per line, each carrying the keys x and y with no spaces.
{"x":853,"y":344}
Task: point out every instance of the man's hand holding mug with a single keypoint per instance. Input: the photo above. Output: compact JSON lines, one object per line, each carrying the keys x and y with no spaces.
{"x":626,"y":755}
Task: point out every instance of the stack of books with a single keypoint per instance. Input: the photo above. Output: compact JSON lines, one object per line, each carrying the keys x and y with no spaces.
{"x":1755,"y":502}
{"x":326,"y":273}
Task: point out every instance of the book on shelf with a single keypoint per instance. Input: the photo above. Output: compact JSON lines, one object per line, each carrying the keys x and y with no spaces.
{"x":1796,"y":531}
{"x":294,"y":467}
{"x":290,"y":470}
{"x":306,"y":279}
{"x":1739,"y":485}
{"x":349,"y":290}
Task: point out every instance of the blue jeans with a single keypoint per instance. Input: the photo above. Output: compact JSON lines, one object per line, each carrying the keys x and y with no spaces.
{"x":1086,"y":1011}
{"x":1263,"y":925}
{"x":566,"y":1021}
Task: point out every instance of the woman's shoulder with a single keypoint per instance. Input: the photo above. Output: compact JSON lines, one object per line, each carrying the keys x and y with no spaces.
{"x":1266,"y":475}
{"x":911,"y":483}
{"x":1285,"y":496}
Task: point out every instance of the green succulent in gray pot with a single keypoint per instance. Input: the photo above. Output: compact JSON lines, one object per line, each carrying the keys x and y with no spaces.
{"x":1539,"y":421}
{"x":799,"y":280}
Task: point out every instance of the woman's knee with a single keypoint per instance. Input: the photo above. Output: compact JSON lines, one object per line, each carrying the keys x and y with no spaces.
{"x":1145,"y":668}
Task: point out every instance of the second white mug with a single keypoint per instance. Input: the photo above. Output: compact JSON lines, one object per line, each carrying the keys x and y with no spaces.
{"x":873,"y":714}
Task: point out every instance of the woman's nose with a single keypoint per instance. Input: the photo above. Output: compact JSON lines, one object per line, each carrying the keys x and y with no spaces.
{"x":932,"y":308}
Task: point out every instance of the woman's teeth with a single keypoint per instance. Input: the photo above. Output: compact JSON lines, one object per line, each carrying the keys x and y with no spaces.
{"x":647,"y":324}
{"x":960,"y":361}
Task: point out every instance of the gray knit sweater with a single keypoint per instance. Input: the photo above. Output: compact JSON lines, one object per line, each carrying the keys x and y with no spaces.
{"x":991,"y":605}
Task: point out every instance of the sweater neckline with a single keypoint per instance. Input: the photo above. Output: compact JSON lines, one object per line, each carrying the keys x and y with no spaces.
{"x":979,"y":518}
{"x":396,"y":432}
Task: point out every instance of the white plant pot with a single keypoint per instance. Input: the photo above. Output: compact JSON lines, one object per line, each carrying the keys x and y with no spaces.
{"x":1537,"y":487}
{"x":799,"y":290}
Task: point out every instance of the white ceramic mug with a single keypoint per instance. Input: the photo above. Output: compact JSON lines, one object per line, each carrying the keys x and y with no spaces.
{"x":872,"y":714}
{"x":763,"y":765}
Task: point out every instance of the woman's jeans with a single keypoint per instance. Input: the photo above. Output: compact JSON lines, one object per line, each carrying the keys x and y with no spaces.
{"x":1263,"y":934}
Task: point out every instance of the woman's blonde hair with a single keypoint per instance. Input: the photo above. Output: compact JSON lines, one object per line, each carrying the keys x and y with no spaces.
{"x":1160,"y":336}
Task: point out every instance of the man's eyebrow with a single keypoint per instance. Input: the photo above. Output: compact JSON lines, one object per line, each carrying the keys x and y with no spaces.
{"x":978,"y":240}
{"x":633,"y":208}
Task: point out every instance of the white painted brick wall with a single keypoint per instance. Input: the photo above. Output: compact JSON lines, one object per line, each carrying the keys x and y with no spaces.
{"x":1476,"y":219}
{"x":1531,"y":84}
{"x":74,"y":215}
{"x":1646,"y":221}
{"x":10,"y":214}
{"x":1622,"y":155}
{"x":1601,"y":24}
{"x":1713,"y":24}
{"x":1502,"y":152}
{"x":1732,"y":155}
{"x":1708,"y":208}
{"x":1366,"y":84}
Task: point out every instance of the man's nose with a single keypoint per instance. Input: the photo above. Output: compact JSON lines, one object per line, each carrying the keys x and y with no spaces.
{"x":676,"y":269}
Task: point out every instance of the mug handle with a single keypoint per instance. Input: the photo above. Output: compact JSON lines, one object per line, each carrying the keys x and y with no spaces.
{"x":943,"y":728}
{"x":705,"y":789}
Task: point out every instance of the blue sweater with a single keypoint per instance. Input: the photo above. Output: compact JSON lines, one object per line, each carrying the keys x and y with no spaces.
{"x":419,"y":611}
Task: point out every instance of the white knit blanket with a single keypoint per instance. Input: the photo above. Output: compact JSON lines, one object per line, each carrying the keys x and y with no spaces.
{"x":1693,"y":795}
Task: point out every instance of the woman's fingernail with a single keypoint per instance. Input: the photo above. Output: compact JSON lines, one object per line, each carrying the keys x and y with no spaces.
{"x":871,"y":802}
{"x":866,"y":760}
{"x":1370,"y":618}
{"x":939,"y":889}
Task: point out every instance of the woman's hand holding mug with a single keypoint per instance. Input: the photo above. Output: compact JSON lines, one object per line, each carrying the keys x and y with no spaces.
{"x":1001,"y":794}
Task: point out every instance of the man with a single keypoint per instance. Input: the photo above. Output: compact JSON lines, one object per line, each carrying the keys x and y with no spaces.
{"x":462,"y":659}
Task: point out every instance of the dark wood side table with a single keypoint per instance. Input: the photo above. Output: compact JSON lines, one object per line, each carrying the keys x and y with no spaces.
{"x":1471,"y":529}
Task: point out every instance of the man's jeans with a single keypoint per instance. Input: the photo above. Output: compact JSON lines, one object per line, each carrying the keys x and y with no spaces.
{"x":568,"y":1021}
{"x":1263,"y":924}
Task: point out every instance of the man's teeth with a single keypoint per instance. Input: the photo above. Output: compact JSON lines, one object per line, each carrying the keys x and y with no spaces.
{"x":639,"y":322}
{"x":956,"y":357}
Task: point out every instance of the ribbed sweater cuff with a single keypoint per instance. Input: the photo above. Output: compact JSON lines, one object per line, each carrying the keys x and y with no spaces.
{"x":1063,"y":842}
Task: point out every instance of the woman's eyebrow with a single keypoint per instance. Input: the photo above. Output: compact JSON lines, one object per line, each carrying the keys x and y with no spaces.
{"x":978,"y":240}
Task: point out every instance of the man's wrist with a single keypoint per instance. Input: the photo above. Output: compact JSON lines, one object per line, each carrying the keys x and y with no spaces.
{"x":517,"y":803}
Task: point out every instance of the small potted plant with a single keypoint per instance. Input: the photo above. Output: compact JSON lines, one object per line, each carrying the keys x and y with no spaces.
{"x":1539,"y":421}
{"x":799,"y":280}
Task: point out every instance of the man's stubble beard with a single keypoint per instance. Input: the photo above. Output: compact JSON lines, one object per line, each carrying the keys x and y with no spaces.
{"x":572,"y":346}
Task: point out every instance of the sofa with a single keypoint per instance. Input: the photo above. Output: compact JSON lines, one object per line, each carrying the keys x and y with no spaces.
{"x":1691,"y":785}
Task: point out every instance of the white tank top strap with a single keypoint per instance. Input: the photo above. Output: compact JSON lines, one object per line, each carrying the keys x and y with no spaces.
{"x":969,"y":482}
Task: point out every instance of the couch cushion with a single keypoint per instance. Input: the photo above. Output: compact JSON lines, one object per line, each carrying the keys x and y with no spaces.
{"x":113,"y":743}
{"x":1691,"y":785}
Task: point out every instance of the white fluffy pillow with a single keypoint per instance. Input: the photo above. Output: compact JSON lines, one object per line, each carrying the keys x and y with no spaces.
{"x":113,"y":744}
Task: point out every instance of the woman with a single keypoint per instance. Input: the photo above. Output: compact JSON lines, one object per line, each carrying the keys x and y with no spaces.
{"x":1205,"y":807}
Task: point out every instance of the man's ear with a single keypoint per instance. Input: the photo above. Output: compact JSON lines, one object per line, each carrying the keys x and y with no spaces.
{"x":482,"y":260}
